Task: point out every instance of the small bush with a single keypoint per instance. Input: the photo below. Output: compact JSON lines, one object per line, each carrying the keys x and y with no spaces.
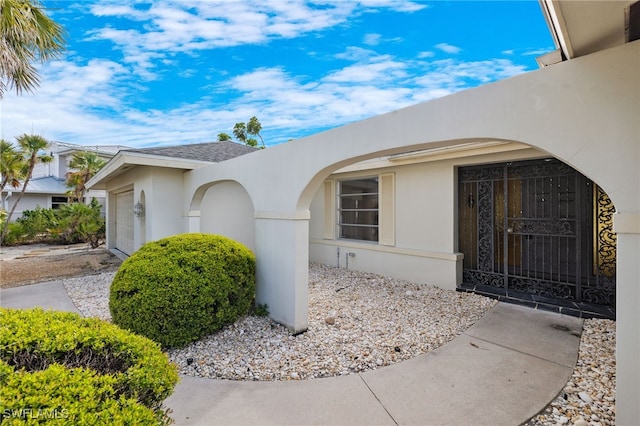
{"x":80,"y":222}
{"x":73,"y":396}
{"x":79,"y":370}
{"x":260,"y":310}
{"x":70,"y":224}
{"x":36,"y":223}
{"x":179,"y":289}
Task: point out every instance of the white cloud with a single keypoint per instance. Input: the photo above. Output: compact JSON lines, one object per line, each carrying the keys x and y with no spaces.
{"x":92,"y":102}
{"x":180,"y":26}
{"x":448,"y":48}
{"x":372,"y":39}
{"x":449,"y":76}
{"x":399,"y":5}
{"x":385,"y":70}
{"x":537,"y":52}
{"x":177,"y":26}
{"x":354,"y":53}
{"x":89,"y":104}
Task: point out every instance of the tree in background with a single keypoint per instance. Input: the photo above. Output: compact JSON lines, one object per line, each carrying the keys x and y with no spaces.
{"x":11,"y":166}
{"x":254,"y":127}
{"x":85,"y":165}
{"x":243,"y":130}
{"x":27,"y":35}
{"x":223,"y":137}
{"x":31,"y":148}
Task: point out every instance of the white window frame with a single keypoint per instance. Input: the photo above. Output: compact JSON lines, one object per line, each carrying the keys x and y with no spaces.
{"x":56,"y":204}
{"x":366,"y":203}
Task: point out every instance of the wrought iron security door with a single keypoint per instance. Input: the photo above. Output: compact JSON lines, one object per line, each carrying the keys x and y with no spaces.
{"x":537,"y":231}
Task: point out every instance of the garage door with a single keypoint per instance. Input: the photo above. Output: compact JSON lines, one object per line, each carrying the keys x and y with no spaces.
{"x":124,"y":222}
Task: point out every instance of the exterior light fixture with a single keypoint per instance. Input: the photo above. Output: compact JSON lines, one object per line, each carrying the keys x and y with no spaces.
{"x":138,"y":209}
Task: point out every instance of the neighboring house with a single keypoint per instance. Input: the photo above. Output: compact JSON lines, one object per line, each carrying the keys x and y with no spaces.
{"x":47,"y":188}
{"x":507,"y":189}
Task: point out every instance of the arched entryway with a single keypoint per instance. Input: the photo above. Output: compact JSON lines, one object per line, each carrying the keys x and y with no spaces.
{"x":226,"y":209}
{"x":537,"y":233}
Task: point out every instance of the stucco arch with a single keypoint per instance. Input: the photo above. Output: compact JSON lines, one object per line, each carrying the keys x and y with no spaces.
{"x":582,"y":118}
{"x":229,"y":192}
{"x":582,"y":111}
{"x":226,"y":209}
{"x":578,"y":111}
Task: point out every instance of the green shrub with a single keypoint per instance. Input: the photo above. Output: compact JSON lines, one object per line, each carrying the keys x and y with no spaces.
{"x":179,"y":289}
{"x":73,"y":396}
{"x":79,"y":370}
{"x":79,"y":222}
{"x":36,"y":223}
{"x":15,"y":235}
{"x":70,"y":224}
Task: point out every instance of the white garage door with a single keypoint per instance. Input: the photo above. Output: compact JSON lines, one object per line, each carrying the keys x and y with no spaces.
{"x":124,"y":222}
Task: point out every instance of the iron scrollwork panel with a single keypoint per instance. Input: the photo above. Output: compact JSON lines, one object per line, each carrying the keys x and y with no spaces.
{"x":605,"y":238}
{"x":545,"y":288}
{"x":485,"y":226}
{"x":483,"y":278}
{"x":542,"y":227}
{"x":552,"y":234}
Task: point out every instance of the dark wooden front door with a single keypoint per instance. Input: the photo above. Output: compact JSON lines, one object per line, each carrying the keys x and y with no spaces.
{"x":538,"y":232}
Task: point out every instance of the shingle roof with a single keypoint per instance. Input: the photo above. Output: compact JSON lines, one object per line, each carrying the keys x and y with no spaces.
{"x":210,"y":151}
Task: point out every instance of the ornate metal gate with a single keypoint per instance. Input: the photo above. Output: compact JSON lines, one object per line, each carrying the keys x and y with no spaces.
{"x":540,"y":233}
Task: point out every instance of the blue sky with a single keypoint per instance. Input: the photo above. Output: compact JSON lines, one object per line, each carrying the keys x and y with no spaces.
{"x":140,"y":73}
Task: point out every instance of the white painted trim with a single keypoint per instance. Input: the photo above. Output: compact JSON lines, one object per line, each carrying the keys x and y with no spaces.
{"x":329,"y":223}
{"x":386,"y":249}
{"x":437,"y":154}
{"x":124,"y":158}
{"x":387,"y":209}
{"x":273,"y":215}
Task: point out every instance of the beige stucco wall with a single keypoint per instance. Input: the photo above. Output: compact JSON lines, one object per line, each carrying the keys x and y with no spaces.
{"x":157,"y":188}
{"x":425,"y":249}
{"x":583,"y":111}
{"x":227,"y":210}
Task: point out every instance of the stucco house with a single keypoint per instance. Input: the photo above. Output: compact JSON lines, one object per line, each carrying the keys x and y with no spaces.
{"x":47,"y":188}
{"x":145,"y":187}
{"x":526,"y":189}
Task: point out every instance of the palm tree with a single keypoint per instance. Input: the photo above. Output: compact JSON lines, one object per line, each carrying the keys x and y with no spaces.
{"x":27,"y":35}
{"x":86,"y":164}
{"x":254,"y":127}
{"x":242,"y":131}
{"x":31,"y":147}
{"x":11,"y":165}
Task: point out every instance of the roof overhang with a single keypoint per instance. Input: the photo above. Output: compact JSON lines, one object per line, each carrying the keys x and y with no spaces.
{"x":580,"y":28}
{"x":74,"y":150}
{"x":124,"y":161}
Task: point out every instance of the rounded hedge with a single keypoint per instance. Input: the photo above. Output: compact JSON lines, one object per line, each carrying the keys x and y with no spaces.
{"x":62,"y":368}
{"x":181,"y":288}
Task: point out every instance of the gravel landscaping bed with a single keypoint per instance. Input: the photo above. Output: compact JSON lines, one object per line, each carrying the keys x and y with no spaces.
{"x":589,"y":396}
{"x":359,"y":322}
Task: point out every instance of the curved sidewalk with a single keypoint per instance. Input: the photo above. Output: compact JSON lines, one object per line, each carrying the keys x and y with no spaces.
{"x":501,"y":371}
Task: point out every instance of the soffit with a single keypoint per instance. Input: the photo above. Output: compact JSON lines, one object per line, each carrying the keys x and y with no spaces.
{"x":585,"y":27}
